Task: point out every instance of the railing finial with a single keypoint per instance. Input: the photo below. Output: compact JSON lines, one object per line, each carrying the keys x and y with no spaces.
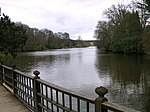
{"x":101,"y":91}
{"x":36,"y":73}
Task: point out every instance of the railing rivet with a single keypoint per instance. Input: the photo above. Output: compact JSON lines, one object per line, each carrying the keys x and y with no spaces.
{"x":36,"y":73}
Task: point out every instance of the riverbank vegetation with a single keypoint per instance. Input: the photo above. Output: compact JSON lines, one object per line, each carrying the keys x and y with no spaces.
{"x":18,"y":37}
{"x":126,"y":29}
{"x":46,"y":39}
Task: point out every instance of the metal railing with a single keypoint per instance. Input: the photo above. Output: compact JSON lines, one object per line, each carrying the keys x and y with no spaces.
{"x":41,"y":96}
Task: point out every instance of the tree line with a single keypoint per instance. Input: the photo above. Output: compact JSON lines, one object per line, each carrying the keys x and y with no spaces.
{"x":16,"y":37}
{"x":46,"y":39}
{"x":126,"y":28}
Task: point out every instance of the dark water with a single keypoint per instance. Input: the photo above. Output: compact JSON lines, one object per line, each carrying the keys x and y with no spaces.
{"x":83,"y":69}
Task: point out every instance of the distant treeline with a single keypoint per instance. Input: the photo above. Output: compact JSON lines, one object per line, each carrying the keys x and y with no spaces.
{"x":18,"y":37}
{"x":46,"y":39}
{"x":126,"y":30}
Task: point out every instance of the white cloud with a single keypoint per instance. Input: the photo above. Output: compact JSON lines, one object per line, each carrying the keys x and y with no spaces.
{"x":77,"y":17}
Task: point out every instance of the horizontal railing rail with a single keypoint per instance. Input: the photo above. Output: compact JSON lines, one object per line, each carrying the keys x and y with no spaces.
{"x":41,"y":96}
{"x":116,"y":108}
{"x":63,"y":99}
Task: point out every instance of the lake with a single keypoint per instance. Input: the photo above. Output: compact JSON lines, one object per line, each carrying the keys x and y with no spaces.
{"x":127,"y":76}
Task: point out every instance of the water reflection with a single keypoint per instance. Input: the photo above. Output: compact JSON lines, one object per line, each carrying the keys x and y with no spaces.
{"x":128,"y":79}
{"x":26,"y":61}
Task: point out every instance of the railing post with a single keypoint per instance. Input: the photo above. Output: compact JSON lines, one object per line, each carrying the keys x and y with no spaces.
{"x":101,"y":91}
{"x":14,"y":79}
{"x":37,"y":90}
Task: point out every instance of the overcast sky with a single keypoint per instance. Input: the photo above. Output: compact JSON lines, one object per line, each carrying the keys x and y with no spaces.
{"x":77,"y":17}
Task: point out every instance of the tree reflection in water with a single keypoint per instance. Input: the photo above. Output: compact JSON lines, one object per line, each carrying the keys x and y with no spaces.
{"x":129,"y":75}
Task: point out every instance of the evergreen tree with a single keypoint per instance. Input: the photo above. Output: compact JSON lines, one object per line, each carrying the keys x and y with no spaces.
{"x":12,"y":36}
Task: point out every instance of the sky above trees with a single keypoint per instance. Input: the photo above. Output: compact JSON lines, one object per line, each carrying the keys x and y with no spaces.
{"x":77,"y":17}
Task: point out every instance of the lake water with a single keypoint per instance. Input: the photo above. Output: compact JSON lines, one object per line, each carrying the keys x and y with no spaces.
{"x":127,"y":77}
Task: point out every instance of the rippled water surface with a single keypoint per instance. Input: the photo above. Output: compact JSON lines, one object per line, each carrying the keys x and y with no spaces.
{"x":83,"y":69}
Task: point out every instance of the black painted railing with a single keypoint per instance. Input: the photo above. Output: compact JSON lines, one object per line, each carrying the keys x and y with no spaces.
{"x":41,"y":96}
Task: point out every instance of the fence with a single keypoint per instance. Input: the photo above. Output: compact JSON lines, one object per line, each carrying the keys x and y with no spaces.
{"x":41,"y":96}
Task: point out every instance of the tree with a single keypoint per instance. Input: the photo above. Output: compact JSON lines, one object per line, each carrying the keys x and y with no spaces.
{"x":146,"y":36}
{"x":144,"y":11}
{"x":101,"y":31}
{"x":120,"y":18}
{"x":12,"y":36}
{"x":147,"y":4}
{"x":115,"y":33}
{"x":103,"y":34}
{"x":144,"y":8}
{"x":66,"y":35}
